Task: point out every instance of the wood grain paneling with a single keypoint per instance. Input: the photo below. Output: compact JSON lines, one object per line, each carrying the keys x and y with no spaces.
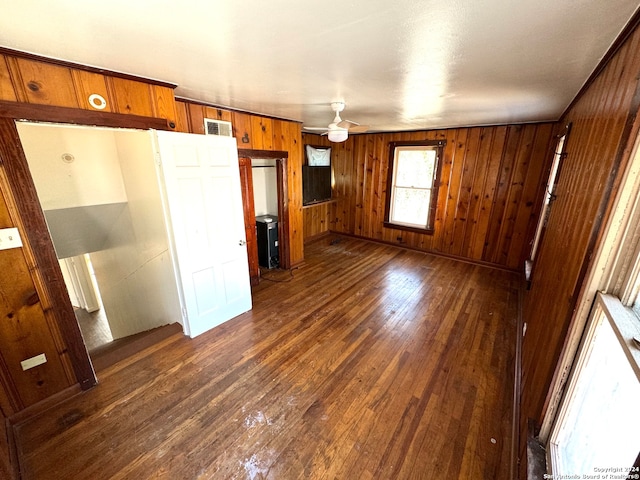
{"x":294,"y":193}
{"x":37,"y":315}
{"x":6,"y":86}
{"x":163,"y":104}
{"x":86,"y":84}
{"x":242,"y":130}
{"x":25,"y":330}
{"x":19,"y":192}
{"x":182,"y":117}
{"x":261,"y":128}
{"x":196,"y":118}
{"x":132,"y":97}
{"x":218,"y":114}
{"x":599,"y":134}
{"x":487,"y":197}
{"x":28,"y":79}
{"x":316,"y":220}
{"x":42,"y":83}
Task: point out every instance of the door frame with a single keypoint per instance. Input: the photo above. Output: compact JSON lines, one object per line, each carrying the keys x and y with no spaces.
{"x":282,"y":158}
{"x":21,"y":189}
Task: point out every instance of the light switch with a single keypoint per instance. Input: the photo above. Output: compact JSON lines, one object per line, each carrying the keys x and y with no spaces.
{"x":9,"y":238}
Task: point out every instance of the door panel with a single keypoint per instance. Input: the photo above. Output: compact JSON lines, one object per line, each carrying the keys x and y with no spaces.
{"x":204,"y":201}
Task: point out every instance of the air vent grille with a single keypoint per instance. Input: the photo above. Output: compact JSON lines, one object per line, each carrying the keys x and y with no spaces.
{"x":217,"y":127}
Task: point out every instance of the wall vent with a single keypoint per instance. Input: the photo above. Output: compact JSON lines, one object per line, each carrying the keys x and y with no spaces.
{"x":217,"y":127}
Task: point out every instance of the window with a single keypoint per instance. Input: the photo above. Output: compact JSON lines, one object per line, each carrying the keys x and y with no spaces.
{"x":412,"y":185}
{"x":316,"y":175}
{"x":597,"y":427}
{"x":549,"y":194}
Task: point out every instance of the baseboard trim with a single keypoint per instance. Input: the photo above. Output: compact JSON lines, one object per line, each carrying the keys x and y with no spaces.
{"x":517,"y":379}
{"x":318,"y":236}
{"x":479,"y":263}
{"x":29,"y":413}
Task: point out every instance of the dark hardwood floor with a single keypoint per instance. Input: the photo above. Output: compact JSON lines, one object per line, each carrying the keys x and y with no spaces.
{"x":368,"y":362}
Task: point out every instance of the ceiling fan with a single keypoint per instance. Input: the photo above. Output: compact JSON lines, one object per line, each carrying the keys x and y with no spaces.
{"x":338,"y":130}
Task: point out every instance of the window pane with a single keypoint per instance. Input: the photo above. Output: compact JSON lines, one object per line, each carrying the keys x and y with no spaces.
{"x":410,"y":206}
{"x":600,"y":426}
{"x":415,"y":168}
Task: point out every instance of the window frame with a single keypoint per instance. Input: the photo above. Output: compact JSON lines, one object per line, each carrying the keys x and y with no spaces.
{"x":325,"y":172}
{"x":550,"y":189}
{"x":438,"y":146}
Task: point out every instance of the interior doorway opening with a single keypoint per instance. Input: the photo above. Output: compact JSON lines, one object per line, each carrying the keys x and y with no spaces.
{"x":84,"y":293}
{"x":263,"y":175}
{"x":102,"y":203}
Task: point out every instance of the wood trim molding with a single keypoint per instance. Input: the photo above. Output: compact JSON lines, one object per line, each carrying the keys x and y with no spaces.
{"x":270,"y":154}
{"x":14,"y":421}
{"x":517,"y":394}
{"x":48,"y":113}
{"x":282,"y":177}
{"x":282,"y":161}
{"x":31,"y":215}
{"x":231,"y":109}
{"x":78,"y":66}
{"x":480,"y":263}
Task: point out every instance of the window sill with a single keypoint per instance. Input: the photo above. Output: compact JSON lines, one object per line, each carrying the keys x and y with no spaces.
{"x":626,"y":326}
{"x":319,"y":202}
{"x":425,"y":231}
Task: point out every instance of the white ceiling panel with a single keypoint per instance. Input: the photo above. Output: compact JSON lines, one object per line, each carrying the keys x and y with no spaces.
{"x":402,"y":65}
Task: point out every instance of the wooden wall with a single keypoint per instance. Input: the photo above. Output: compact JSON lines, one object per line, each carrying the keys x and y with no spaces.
{"x":595,"y":151}
{"x":36,"y":82}
{"x":489,"y":190}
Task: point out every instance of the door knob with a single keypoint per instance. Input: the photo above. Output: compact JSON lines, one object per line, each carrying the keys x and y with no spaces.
{"x":242,"y":242}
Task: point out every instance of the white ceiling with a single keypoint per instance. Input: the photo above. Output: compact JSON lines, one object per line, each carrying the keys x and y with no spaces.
{"x":398,"y":65}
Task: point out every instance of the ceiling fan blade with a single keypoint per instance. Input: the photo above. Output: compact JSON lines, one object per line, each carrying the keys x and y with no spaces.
{"x":358,"y":128}
{"x":346,"y":123}
{"x":324,"y":129}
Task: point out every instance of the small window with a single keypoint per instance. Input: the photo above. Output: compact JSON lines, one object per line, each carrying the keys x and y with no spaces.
{"x":412,"y":185}
{"x":316,"y":175}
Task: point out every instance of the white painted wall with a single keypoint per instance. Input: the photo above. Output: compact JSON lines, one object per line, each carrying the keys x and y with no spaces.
{"x":92,"y":178}
{"x":265,"y":186}
{"x":135,"y":272}
{"x":133,"y":266}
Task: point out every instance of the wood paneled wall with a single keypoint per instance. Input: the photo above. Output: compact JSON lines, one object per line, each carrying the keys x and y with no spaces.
{"x":489,"y":190}
{"x":41,"y":83}
{"x":260,"y":133}
{"x":594,"y":153}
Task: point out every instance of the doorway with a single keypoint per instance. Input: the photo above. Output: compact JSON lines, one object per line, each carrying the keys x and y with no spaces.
{"x":102,"y":203}
{"x":263,"y":174}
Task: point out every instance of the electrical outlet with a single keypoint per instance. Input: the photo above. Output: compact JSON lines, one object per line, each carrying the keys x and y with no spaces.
{"x":9,"y":238}
{"x":33,"y":361}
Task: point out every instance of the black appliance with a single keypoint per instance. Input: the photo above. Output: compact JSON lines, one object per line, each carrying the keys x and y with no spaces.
{"x":267,"y":226}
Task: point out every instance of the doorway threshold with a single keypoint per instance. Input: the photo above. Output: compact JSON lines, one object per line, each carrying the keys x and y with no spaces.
{"x":121,"y":348}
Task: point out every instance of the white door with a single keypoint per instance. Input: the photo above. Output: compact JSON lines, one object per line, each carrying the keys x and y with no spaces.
{"x":206,"y":224}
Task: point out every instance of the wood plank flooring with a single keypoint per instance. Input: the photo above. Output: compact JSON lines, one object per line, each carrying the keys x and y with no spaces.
{"x":369,"y":362}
